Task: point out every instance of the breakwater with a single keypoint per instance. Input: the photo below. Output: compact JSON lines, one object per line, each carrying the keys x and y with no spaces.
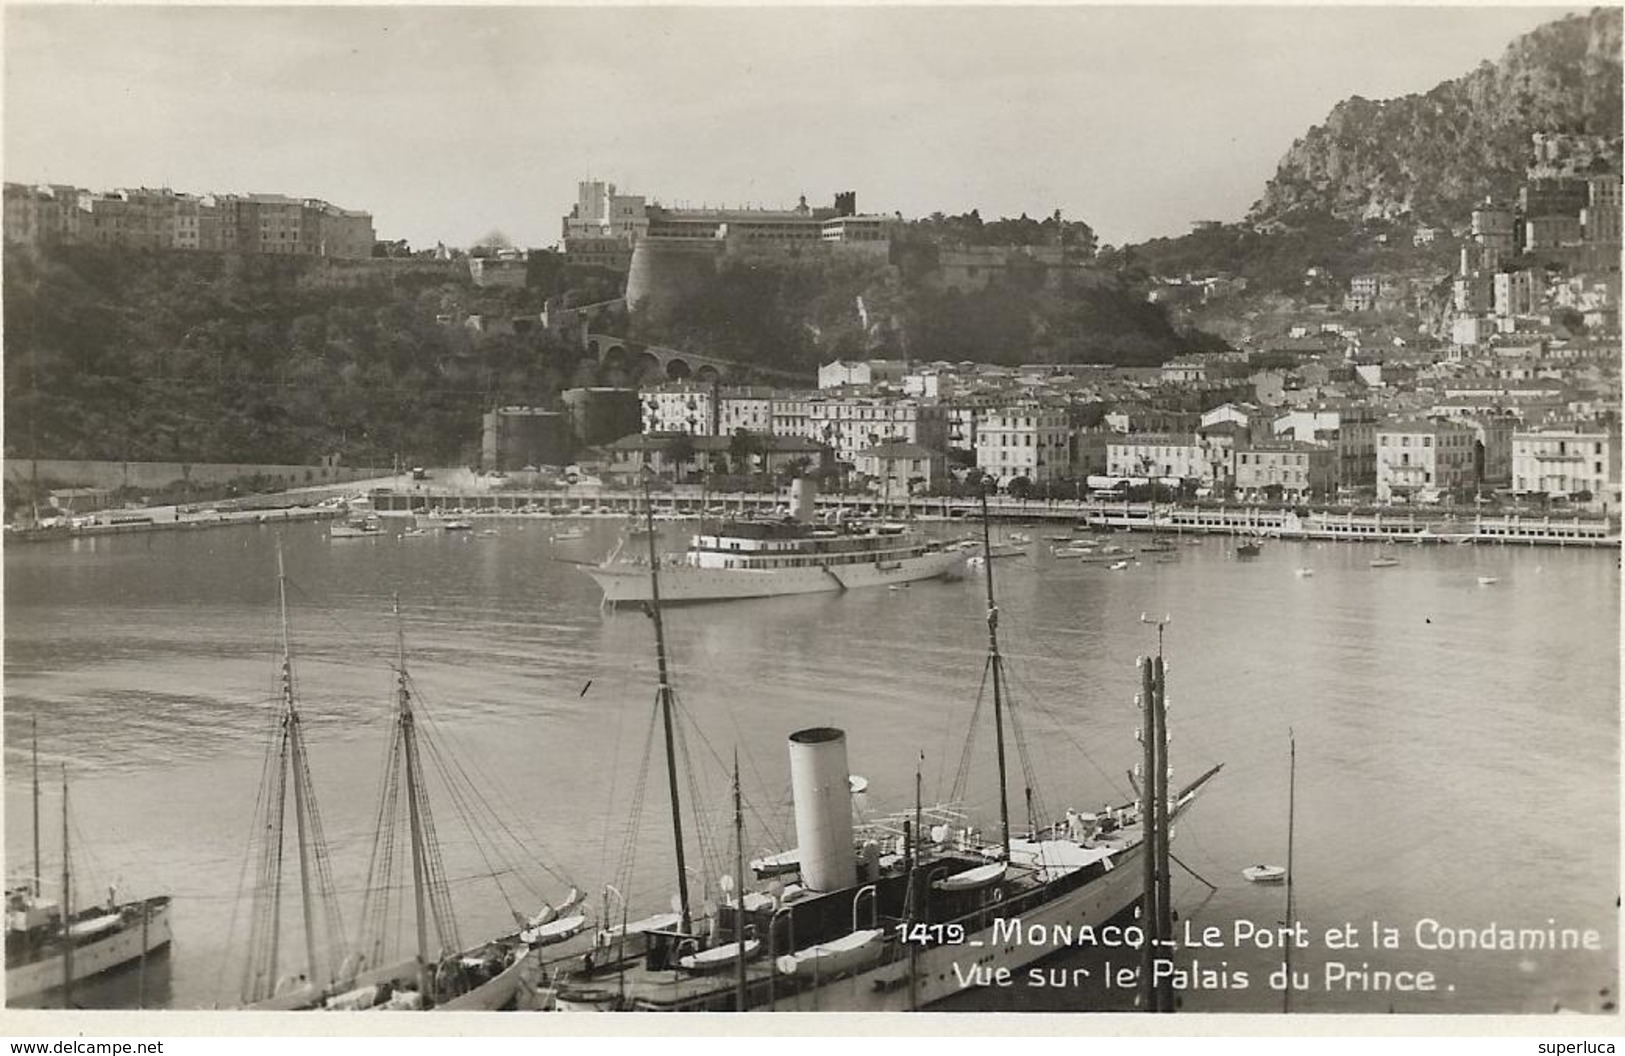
{"x":132,"y":521}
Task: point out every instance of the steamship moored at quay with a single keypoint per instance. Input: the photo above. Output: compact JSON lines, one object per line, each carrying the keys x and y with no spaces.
{"x":864,"y":927}
{"x":893,"y":916}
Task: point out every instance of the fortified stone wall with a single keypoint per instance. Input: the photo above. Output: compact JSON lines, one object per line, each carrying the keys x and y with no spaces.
{"x":158,"y":475}
{"x":668,"y":270}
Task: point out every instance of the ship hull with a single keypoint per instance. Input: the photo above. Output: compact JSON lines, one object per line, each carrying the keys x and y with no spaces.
{"x":624,"y":584}
{"x":940,"y":972}
{"x":494,"y":995}
{"x":90,"y":959}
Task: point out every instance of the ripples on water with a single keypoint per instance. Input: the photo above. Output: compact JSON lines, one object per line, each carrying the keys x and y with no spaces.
{"x":1457,"y":744}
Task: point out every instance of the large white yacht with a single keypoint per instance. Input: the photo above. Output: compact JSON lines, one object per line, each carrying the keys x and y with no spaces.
{"x":759,"y":559}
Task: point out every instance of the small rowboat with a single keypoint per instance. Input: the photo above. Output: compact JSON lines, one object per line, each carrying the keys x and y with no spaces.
{"x":356,"y":1000}
{"x":1305,"y":573}
{"x":658,"y":922}
{"x":971,"y":879}
{"x":87,"y":929}
{"x":1264,"y":874}
{"x":857,"y":783}
{"x":549,"y":912}
{"x":554,"y":930}
{"x":844,"y":954}
{"x":1487,"y":581}
{"x":724,"y":956}
{"x":775,"y":864}
{"x":1384,"y":562}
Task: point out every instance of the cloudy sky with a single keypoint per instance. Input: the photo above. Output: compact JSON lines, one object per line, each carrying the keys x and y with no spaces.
{"x":447,"y":123}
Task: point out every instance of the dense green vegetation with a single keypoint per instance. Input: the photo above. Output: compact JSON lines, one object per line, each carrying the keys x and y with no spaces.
{"x":162,"y":356}
{"x":793,"y":313}
{"x":213,"y":357}
{"x":1277,"y":261}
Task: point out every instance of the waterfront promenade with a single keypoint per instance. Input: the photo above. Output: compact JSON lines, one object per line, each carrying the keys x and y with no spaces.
{"x":1412,"y":525}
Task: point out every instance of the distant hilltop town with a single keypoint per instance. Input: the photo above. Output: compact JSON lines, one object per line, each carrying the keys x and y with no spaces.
{"x":161,"y":218}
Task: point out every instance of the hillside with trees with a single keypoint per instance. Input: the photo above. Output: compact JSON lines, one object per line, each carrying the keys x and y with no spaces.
{"x":143,"y":355}
{"x":794,"y":311}
{"x":146,"y":355}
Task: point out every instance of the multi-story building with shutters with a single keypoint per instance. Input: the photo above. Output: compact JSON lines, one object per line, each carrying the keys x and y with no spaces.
{"x":1419,"y":456}
{"x":1025,"y":440}
{"x":148,"y":218}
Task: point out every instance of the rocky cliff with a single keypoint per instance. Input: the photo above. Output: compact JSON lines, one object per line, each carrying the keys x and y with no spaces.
{"x":1433,"y":155}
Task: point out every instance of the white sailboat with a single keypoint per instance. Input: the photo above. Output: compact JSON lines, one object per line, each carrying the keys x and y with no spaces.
{"x":50,"y":946}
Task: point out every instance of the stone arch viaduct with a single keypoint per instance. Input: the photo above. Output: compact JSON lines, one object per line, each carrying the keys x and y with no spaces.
{"x":640,"y":362}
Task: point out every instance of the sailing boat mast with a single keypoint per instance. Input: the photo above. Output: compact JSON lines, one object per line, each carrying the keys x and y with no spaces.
{"x":739,"y":888}
{"x":1147,"y":700}
{"x":997,"y":664}
{"x":1291,"y":809}
{"x":665,"y":695}
{"x":296,"y":758}
{"x":1160,"y":832}
{"x":38,"y":882}
{"x":913,"y":845}
{"x":67,"y":902}
{"x":1156,"y":913}
{"x":408,"y":743}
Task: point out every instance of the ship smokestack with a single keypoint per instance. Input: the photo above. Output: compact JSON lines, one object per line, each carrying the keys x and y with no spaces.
{"x":823,"y":796}
{"x":803,"y":496}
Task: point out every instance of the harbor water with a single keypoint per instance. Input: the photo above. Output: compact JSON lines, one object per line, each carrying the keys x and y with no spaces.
{"x":1457,"y":740}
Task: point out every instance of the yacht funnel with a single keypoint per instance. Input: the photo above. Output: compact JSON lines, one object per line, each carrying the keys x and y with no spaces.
{"x":823,"y":796}
{"x":803,"y":496}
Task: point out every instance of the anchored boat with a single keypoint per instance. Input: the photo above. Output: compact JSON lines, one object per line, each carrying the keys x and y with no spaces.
{"x":762,"y":559}
{"x":879,"y":914}
{"x":50,"y":946}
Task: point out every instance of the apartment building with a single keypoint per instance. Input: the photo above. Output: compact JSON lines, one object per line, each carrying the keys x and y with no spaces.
{"x":149,"y":218}
{"x":1173,"y":455}
{"x":750,"y":409}
{"x":790,"y":414}
{"x":1296,"y":467}
{"x":1416,"y":456}
{"x":1566,"y":462}
{"x":1024,"y":440}
{"x":679,"y":407}
{"x":849,"y":424}
{"x":898,"y":469}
